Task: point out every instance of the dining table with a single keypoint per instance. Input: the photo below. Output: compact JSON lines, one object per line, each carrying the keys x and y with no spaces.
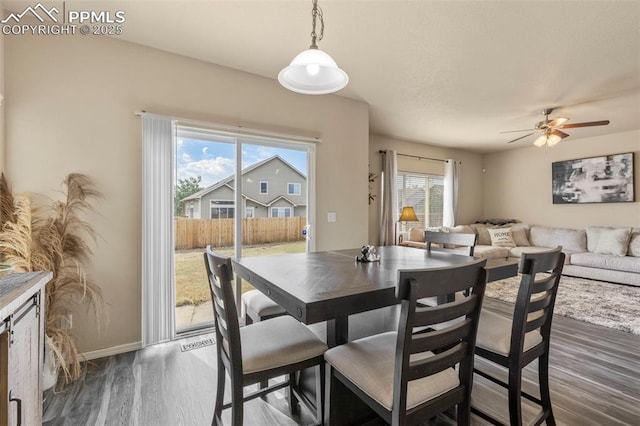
{"x":331,"y":285}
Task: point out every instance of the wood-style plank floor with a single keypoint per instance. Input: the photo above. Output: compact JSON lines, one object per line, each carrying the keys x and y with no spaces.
{"x":594,"y":375}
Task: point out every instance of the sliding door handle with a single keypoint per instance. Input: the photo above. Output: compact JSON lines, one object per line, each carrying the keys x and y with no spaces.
{"x":19,"y":402}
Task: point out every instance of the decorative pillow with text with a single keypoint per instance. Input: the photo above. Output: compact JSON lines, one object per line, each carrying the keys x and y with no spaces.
{"x":501,"y":237}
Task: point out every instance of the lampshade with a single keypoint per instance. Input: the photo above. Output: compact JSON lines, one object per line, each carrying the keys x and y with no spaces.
{"x":313,"y":72}
{"x":408,"y":215}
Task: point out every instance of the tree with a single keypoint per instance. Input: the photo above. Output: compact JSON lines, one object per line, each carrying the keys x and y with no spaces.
{"x":185,"y":188}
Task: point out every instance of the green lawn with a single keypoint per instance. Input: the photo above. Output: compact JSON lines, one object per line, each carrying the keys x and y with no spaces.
{"x":191,"y":281}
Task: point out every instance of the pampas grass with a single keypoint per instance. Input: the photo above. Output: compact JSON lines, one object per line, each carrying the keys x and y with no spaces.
{"x":54,"y":239}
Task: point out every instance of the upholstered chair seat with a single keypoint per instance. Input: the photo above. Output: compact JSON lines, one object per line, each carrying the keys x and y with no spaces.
{"x":258,"y":307}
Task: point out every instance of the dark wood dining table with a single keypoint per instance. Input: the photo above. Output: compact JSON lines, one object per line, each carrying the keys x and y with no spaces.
{"x":330,"y":285}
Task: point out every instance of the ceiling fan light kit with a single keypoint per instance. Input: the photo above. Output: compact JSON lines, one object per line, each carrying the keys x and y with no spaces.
{"x":550,"y":129}
{"x":313,"y":71}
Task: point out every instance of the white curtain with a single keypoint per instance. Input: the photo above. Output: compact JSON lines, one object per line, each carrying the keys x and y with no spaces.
{"x":450,"y":198}
{"x":389,"y":204}
{"x":157,"y":229}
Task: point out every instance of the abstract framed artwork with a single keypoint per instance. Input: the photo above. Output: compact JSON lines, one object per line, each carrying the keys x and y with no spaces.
{"x":605,"y":179}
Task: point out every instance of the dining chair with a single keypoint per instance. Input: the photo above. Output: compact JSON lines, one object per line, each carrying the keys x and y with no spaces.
{"x":523,"y":338}
{"x":407,"y":377}
{"x":447,"y":240}
{"x":258,"y":352}
{"x":451,"y":239}
{"x":259,"y":307}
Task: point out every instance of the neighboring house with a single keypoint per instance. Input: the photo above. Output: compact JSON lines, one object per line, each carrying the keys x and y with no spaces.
{"x":270,"y":188}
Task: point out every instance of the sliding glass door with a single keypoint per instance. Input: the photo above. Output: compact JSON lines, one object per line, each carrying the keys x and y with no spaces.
{"x":263,"y":212}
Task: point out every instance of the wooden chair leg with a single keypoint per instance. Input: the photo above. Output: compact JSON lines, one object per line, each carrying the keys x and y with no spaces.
{"x":247,"y":320}
{"x":237,"y":403}
{"x":291,"y":397}
{"x":515,"y":396}
{"x":217,"y":411}
{"x":543,"y":380}
{"x":320,"y":396}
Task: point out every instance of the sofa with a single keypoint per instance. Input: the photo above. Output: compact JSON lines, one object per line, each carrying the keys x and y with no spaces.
{"x":601,"y":253}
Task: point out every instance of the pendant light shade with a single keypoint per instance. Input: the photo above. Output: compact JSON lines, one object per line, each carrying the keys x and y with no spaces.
{"x":313,"y":71}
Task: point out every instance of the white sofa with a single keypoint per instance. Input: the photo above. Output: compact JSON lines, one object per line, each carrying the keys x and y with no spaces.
{"x":596,"y":252}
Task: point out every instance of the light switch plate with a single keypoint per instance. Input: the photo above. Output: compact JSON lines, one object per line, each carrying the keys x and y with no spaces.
{"x":331,"y":217}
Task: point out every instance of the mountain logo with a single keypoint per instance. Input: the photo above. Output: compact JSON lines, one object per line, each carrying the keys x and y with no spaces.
{"x":39,"y":11}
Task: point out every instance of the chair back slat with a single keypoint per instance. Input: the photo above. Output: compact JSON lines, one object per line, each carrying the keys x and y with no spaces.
{"x":441,"y":338}
{"x":220,"y":274}
{"x":456,"y":239}
{"x":428,"y":366}
{"x":426,"y":316}
{"x":536,"y":297}
{"x":452,"y":344}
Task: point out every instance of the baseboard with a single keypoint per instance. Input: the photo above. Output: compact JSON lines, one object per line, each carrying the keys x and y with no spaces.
{"x":114,"y":350}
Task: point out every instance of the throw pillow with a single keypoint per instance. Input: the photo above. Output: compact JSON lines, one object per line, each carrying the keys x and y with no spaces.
{"x":520,"y":237}
{"x":634,"y":243}
{"x":613,"y":241}
{"x":483,"y":236}
{"x":501,"y":237}
{"x":416,"y":234}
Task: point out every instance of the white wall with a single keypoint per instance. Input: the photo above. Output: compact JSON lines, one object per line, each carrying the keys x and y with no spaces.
{"x":70,"y":106}
{"x":518,"y":184}
{"x":470,"y":186}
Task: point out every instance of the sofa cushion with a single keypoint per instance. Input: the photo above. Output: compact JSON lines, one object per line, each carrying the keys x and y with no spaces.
{"x":490,"y":252}
{"x":415,"y":244}
{"x":501,"y":237}
{"x":634,"y":243}
{"x":569,"y":239}
{"x":483,"y":235}
{"x":461,"y":229}
{"x":604,"y":261}
{"x":614,"y":241}
{"x":520,"y":237}
{"x":518,"y":251}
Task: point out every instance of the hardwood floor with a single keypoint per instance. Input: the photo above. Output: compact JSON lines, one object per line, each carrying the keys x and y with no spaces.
{"x":594,"y":375}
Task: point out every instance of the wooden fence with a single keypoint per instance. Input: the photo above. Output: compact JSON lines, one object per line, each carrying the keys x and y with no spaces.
{"x":198,"y":233}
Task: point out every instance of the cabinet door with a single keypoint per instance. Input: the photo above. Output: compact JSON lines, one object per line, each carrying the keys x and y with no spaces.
{"x":25,"y":404}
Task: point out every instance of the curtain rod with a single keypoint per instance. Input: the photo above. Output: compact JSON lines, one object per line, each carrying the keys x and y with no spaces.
{"x":383,"y":151}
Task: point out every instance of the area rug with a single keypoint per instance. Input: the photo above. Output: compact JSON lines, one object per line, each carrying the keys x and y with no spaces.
{"x":610,"y":305}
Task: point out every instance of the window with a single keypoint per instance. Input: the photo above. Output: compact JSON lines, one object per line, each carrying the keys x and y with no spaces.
{"x":222,"y":209}
{"x":293,"y":189}
{"x":280,"y":211}
{"x":425,"y":194}
{"x":250,"y":212}
{"x":264,"y":187}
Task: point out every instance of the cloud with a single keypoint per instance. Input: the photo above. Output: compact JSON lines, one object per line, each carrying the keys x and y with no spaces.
{"x":212,"y":170}
{"x":204,"y":150}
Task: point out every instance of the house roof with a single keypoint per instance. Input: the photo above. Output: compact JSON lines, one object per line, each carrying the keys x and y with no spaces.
{"x":228,"y":180}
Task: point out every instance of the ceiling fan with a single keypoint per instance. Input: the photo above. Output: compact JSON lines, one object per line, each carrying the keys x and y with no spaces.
{"x":550,"y":130}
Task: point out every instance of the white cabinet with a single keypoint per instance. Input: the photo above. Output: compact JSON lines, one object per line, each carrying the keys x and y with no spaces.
{"x":21,"y":347}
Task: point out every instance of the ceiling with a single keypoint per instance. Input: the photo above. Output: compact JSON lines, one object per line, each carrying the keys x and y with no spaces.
{"x":450,"y":73}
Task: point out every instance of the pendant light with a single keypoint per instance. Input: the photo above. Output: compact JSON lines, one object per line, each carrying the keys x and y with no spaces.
{"x":313,"y":72}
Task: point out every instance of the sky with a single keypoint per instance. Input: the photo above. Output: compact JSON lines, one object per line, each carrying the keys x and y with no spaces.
{"x":214,"y":161}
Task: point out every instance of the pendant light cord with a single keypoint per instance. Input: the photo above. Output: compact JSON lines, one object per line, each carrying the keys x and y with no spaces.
{"x":316,"y":12}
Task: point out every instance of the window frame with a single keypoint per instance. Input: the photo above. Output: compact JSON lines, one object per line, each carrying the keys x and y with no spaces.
{"x":231,"y":205}
{"x":277,"y":208}
{"x":295,"y":185}
{"x":266,"y":190}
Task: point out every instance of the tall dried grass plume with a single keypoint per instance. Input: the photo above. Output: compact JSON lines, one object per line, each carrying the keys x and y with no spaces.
{"x":54,"y":238}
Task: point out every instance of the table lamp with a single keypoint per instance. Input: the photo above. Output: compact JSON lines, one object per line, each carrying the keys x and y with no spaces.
{"x":407,"y":215}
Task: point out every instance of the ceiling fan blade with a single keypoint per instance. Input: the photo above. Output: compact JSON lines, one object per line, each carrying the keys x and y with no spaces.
{"x":515,"y":131}
{"x":559,"y":133}
{"x":557,"y":122}
{"x":586,"y":124}
{"x":521,"y":137}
